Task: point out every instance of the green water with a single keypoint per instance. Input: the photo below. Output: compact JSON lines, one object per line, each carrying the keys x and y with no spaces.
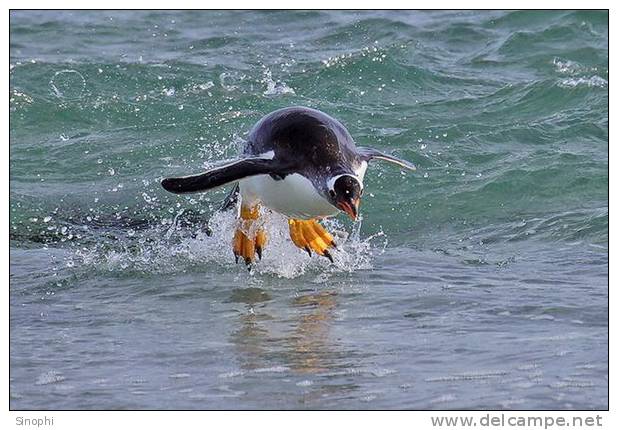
{"x":478,"y":281}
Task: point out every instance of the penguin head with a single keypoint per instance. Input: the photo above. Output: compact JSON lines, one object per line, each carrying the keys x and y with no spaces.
{"x":344,"y":192}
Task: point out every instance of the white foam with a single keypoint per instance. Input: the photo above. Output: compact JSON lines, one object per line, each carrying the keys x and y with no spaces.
{"x":594,"y":81}
{"x":50,"y":377}
{"x":174,"y":247}
{"x":567,"y":67}
{"x":579,"y":75}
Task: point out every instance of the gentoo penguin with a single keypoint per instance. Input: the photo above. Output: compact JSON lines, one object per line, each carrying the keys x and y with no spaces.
{"x":299,"y":162}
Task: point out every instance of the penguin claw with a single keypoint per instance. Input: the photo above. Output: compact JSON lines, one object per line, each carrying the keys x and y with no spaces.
{"x":247,"y":240}
{"x":312,"y":237}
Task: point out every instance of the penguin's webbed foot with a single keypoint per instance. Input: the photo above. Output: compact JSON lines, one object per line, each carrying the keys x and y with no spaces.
{"x":311,"y":236}
{"x":248,"y":241}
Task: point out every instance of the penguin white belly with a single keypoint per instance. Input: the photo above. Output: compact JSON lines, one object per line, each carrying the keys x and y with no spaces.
{"x":293,"y":196}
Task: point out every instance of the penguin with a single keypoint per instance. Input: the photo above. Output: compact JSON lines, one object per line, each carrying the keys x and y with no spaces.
{"x":299,"y":162}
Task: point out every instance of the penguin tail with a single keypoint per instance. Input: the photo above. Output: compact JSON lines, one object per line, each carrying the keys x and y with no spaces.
{"x":369,"y":154}
{"x":219,"y":175}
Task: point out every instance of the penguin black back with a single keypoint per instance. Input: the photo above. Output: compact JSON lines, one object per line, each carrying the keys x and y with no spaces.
{"x":307,"y":137}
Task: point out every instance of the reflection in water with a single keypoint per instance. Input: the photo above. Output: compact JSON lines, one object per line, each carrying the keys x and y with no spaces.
{"x":311,"y":350}
{"x":252,"y":336}
{"x":299,"y":336}
{"x":297,"y":341}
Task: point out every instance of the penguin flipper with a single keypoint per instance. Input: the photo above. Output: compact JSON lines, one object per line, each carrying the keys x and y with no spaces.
{"x":220,"y":175}
{"x":369,"y":154}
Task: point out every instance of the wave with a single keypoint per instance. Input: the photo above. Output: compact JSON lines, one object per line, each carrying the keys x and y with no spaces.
{"x":505,"y":113}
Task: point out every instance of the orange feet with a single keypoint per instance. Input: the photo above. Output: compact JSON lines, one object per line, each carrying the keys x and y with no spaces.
{"x":311,"y":236}
{"x":250,"y":237}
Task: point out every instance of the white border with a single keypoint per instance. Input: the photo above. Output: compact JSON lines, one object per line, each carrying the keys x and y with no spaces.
{"x":271,"y":420}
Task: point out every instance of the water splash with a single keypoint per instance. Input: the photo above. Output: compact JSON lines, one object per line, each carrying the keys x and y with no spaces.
{"x":177,"y":247}
{"x":275,"y":88}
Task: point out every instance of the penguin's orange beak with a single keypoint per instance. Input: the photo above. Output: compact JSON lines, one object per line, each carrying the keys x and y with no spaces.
{"x":350,"y":207}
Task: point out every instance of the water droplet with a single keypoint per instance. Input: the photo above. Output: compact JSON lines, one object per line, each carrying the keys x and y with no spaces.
{"x":68,"y":84}
{"x":147,"y":198}
{"x":47,"y":219}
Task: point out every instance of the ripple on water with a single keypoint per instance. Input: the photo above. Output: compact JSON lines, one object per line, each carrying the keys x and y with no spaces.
{"x":49,"y":377}
{"x":468,"y":376}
